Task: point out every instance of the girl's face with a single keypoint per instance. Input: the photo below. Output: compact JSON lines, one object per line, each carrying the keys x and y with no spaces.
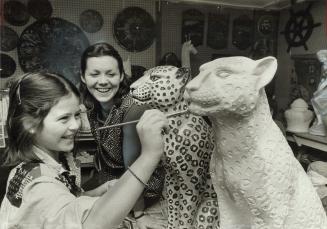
{"x":60,"y":126}
{"x":102,"y":77}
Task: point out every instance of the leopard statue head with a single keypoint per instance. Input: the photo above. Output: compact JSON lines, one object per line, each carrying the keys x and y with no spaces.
{"x":161,"y":87}
{"x":231,"y":86}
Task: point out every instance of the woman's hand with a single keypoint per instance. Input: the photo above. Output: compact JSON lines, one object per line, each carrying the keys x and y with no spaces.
{"x":146,"y":222}
{"x":150,"y":128}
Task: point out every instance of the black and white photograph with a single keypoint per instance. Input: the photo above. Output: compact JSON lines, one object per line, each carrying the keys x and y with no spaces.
{"x":163,"y":114}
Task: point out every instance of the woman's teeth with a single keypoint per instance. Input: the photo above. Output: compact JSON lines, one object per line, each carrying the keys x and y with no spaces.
{"x":103,"y":90}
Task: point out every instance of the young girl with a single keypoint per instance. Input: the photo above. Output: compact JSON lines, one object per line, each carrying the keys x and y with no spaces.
{"x":105,"y":90}
{"x":43,"y":119}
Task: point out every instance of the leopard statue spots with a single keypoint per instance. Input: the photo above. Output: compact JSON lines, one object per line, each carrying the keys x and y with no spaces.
{"x":259,"y":182}
{"x":191,"y":199}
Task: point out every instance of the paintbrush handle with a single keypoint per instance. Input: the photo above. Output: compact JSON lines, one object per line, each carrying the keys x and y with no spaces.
{"x":136,"y":121}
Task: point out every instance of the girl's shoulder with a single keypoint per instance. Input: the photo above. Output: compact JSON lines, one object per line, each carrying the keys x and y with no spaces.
{"x":19,"y":177}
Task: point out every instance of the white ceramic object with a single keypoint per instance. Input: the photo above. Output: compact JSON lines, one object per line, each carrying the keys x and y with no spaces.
{"x":318,"y":127}
{"x":259,"y":182}
{"x":298,"y":117}
{"x":187,"y":49}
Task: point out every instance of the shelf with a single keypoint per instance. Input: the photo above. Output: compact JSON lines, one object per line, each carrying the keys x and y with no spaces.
{"x":306,"y":139}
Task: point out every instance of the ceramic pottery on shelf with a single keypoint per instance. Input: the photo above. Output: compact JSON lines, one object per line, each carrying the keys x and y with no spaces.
{"x":298,"y":117}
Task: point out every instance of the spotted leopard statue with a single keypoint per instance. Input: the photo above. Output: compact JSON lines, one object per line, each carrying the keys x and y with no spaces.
{"x":259,"y":182}
{"x":191,"y":199}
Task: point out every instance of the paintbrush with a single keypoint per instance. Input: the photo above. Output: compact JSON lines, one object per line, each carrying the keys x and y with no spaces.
{"x":136,"y":121}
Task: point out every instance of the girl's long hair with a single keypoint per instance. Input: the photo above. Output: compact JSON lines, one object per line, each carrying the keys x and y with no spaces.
{"x":31,"y":97}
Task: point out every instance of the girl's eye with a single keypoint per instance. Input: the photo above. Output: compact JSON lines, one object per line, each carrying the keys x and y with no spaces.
{"x":64,"y":118}
{"x":154,"y":77}
{"x":111,"y":74}
{"x":222,"y":73}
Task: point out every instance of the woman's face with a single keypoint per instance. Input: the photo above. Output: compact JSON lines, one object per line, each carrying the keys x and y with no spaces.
{"x":60,"y":126}
{"x":102,"y":77}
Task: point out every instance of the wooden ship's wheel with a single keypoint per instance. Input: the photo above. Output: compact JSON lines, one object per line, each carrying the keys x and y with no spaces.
{"x":134,"y":29}
{"x":299,"y":28}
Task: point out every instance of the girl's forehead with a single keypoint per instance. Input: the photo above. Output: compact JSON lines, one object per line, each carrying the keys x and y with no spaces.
{"x":68,"y":103}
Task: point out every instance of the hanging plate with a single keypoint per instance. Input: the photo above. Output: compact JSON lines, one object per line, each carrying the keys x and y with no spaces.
{"x":8,"y":39}
{"x":134,"y":29}
{"x":54,"y":45}
{"x":8,"y":66}
{"x":15,"y":13}
{"x":39,"y":9}
{"x":91,"y":21}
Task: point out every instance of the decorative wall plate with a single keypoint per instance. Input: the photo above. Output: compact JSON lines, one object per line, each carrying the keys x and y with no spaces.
{"x":8,"y":38}
{"x":15,"y":13}
{"x":54,"y":45}
{"x":217,"y":36}
{"x":193,"y":26}
{"x":134,"y":29}
{"x":91,"y":21}
{"x":39,"y":9}
{"x":8,"y":66}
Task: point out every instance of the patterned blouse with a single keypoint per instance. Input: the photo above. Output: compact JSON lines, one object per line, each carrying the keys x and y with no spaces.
{"x":109,"y":155}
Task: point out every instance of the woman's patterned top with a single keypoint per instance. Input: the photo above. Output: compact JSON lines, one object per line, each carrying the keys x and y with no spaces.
{"x":110,"y":147}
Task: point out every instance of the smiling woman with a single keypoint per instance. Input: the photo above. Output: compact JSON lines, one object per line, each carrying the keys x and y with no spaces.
{"x":105,"y":94}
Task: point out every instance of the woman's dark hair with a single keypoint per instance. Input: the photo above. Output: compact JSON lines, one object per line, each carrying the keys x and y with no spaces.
{"x":31,"y":97}
{"x":99,"y":50}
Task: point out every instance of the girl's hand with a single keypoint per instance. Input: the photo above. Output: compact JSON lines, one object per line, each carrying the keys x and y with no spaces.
{"x":146,"y":222}
{"x":149,"y":129}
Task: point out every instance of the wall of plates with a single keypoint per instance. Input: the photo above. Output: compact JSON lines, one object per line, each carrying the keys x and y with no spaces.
{"x":52,"y":34}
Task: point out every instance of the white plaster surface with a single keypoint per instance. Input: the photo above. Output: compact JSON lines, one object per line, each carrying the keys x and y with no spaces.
{"x":259,"y":183}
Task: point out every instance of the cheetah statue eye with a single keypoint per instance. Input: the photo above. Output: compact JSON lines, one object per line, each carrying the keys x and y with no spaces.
{"x":154,"y":77}
{"x":223,"y":73}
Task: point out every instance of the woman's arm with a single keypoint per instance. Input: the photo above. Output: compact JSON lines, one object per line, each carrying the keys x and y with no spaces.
{"x":131,"y":141}
{"x":111,"y":208}
{"x":131,"y":151}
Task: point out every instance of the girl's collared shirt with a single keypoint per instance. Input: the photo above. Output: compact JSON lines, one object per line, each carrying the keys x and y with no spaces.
{"x":41,"y":200}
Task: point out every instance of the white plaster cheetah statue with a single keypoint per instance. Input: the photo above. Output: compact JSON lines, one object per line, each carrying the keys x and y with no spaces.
{"x":259,"y":183}
{"x":191,"y":199}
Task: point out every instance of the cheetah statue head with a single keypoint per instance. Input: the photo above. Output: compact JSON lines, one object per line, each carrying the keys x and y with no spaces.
{"x":161,"y":87}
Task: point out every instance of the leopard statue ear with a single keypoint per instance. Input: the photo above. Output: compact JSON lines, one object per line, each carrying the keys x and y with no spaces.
{"x":265,"y":70}
{"x":185,"y":73}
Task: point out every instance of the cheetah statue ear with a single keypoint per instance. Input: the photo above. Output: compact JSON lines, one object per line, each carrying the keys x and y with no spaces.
{"x":185,"y":73}
{"x":265,"y":70}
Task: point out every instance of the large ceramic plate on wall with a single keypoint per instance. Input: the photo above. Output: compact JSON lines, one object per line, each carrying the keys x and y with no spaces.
{"x":134,"y":29}
{"x":53,"y":45}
